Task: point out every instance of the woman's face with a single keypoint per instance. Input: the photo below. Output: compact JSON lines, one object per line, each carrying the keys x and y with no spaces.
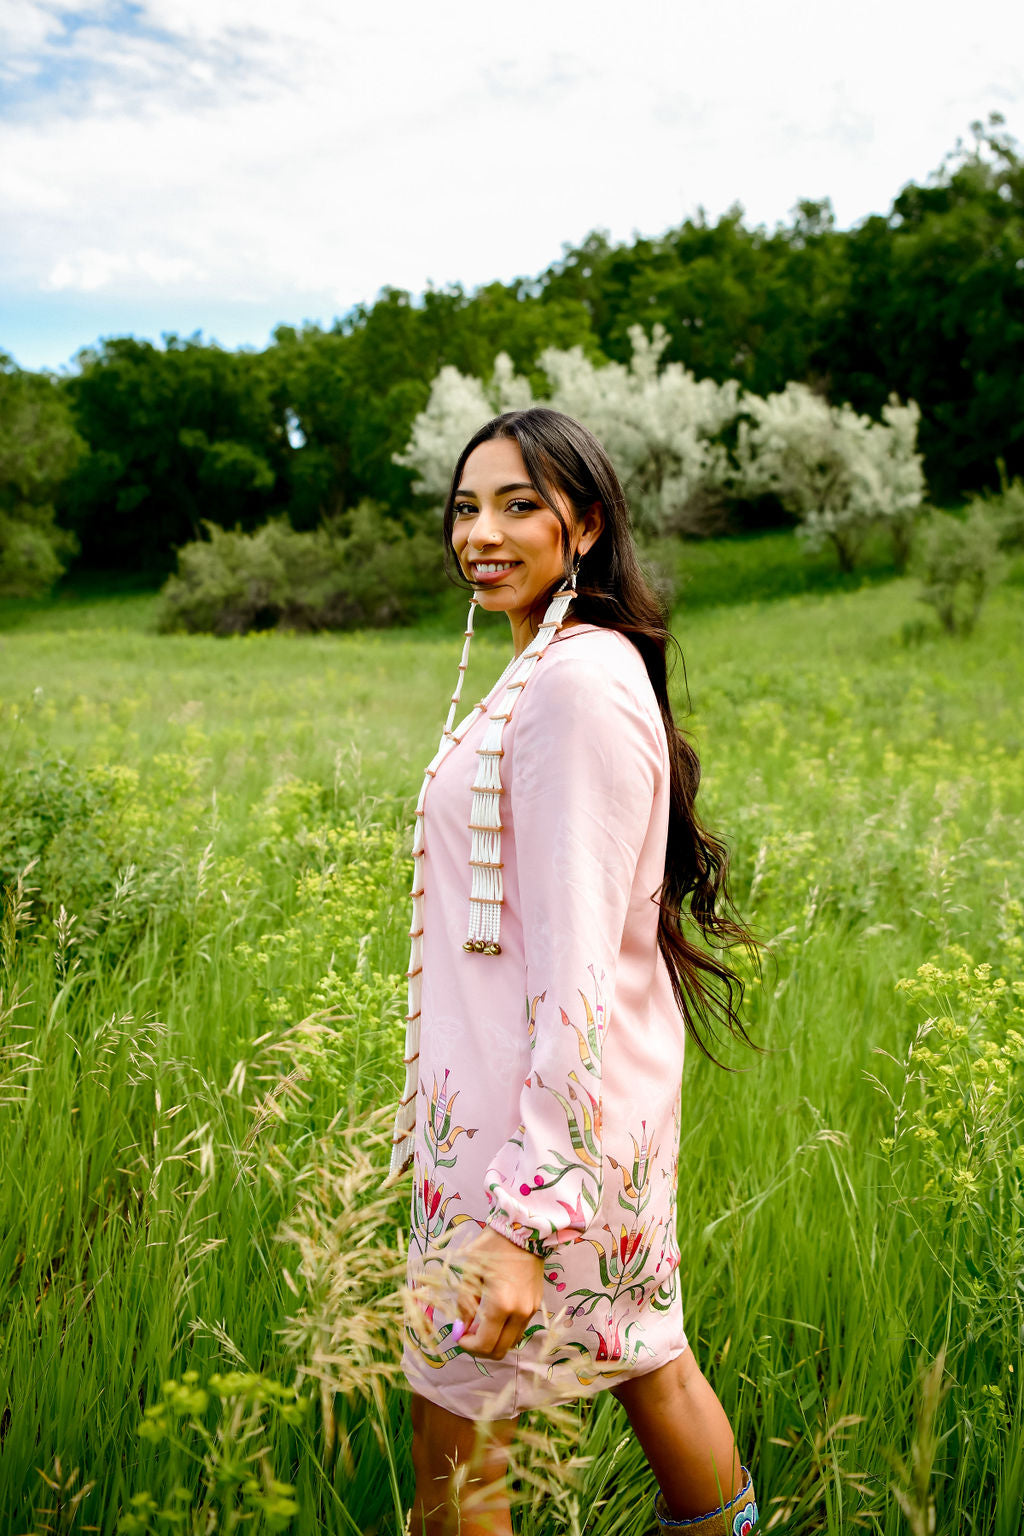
{"x":508,"y":540}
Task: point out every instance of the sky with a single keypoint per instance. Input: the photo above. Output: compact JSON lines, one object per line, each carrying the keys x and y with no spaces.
{"x":224,"y":166}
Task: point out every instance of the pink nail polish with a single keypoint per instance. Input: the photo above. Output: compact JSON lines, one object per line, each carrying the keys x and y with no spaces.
{"x":458,"y":1329}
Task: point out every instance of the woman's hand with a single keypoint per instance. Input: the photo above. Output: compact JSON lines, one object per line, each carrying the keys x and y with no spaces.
{"x":513,"y":1288}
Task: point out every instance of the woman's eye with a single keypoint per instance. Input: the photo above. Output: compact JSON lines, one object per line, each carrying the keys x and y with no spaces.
{"x":519,"y":504}
{"x":464,"y":509}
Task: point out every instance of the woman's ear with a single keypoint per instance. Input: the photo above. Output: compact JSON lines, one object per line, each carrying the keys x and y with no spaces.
{"x":593,"y":525}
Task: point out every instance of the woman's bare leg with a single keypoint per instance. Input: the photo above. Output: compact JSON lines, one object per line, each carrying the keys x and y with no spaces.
{"x":443,"y":1443}
{"x":685,"y":1435}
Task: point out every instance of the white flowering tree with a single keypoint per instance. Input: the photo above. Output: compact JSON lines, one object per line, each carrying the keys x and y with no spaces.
{"x":839,"y":472}
{"x":660,"y":426}
{"x":459,"y":403}
{"x":663,"y":428}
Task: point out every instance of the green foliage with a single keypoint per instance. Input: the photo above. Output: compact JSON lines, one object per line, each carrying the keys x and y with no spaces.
{"x":61,"y":820}
{"x":958,"y":560}
{"x":356,"y":388}
{"x":179,"y":436}
{"x":1006,"y":509}
{"x":38,"y":450}
{"x":760,"y":568}
{"x":356,"y":571}
{"x":738,"y":303}
{"x":33,"y":554}
{"x":931,"y":304}
{"x":237,"y":1482}
{"x":197,"y":1080}
{"x":957,"y":1121}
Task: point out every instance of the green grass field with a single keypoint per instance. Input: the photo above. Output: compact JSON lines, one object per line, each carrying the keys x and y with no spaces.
{"x":200,"y":1042}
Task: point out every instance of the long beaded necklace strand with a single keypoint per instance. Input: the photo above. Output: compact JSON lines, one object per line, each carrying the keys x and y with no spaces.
{"x":486,"y":891}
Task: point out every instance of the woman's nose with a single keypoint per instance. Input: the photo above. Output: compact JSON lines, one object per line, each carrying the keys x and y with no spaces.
{"x":485,"y":531}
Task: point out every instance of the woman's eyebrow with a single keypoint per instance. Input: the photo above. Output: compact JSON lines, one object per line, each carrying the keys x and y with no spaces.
{"x":502,"y":490}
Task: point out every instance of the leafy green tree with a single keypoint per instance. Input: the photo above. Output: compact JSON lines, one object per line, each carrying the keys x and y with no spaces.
{"x":738,"y":303}
{"x":934,"y":309}
{"x":356,"y":389}
{"x":39,"y":448}
{"x":179,"y":435}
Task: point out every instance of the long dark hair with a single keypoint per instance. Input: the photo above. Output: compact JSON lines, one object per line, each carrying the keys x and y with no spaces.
{"x":612,"y":592}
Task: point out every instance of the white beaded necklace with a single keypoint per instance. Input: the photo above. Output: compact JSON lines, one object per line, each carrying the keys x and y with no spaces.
{"x":486,"y":889}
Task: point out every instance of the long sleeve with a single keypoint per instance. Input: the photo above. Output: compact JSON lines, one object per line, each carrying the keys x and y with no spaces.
{"x":588,"y":756}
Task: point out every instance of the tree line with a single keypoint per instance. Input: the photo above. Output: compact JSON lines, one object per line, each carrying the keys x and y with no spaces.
{"x":132,"y":452}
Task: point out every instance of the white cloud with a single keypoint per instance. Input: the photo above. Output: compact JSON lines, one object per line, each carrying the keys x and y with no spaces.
{"x":240,"y":149}
{"x":26,"y":26}
{"x":90,"y":269}
{"x":86,"y":271}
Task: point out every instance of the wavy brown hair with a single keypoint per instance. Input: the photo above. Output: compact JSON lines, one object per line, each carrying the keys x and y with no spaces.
{"x":563,"y":457}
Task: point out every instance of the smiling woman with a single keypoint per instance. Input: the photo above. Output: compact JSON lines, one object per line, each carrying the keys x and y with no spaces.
{"x":508,"y":541}
{"x":544,"y":1134}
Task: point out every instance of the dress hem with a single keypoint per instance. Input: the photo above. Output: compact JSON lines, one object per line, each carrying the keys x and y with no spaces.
{"x":540,"y":1402}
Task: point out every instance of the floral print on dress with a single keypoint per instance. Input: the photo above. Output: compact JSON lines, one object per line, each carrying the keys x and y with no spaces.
{"x":572,"y":1169}
{"x":430,"y":1202}
{"x":627,"y":1281}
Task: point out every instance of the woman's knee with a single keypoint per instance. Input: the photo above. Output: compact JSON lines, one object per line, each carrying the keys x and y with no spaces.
{"x":680,"y":1374}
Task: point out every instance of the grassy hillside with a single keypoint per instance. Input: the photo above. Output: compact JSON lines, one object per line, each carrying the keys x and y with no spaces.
{"x":215,"y":841}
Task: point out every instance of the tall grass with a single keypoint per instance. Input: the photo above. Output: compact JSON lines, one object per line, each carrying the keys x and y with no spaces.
{"x":200,"y":1043}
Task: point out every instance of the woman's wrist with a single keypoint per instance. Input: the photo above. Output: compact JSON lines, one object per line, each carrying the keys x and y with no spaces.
{"x":523,"y":1237}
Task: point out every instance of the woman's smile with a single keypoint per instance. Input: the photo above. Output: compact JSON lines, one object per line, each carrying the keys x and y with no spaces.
{"x":486,"y":571}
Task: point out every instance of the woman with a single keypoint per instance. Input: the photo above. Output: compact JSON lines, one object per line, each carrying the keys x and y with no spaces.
{"x":551,"y":987}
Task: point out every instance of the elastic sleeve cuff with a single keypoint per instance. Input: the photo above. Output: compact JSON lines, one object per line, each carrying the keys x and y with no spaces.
{"x":523,"y":1237}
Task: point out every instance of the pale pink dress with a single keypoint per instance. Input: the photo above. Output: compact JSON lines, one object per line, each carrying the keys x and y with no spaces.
{"x":548,"y":1104}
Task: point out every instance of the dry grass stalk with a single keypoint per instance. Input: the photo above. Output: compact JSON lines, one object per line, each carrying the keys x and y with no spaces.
{"x":826,"y":1446}
{"x":350,"y":1235}
{"x":913,"y":1491}
{"x":351,"y":1259}
{"x":58,"y":1517}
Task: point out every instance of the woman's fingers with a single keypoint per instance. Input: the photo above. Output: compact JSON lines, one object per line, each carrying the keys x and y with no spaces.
{"x":494,"y":1332}
{"x":485,"y":1329}
{"x":468,"y":1308}
{"x":509,"y":1337}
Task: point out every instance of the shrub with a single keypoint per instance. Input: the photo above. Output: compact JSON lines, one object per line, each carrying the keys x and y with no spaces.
{"x":1007,"y":511}
{"x":63,"y":823}
{"x":959,"y":562}
{"x":33,"y":552}
{"x":358,"y":570}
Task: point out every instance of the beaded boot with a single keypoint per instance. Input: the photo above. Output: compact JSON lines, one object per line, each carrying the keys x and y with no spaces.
{"x":737,"y":1518}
